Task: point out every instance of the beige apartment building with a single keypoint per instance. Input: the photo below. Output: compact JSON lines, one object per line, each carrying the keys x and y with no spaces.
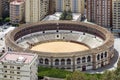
{"x":100,"y":12}
{"x":116,"y":15}
{"x":35,"y":10}
{"x":76,"y":6}
{"x":17,"y":11}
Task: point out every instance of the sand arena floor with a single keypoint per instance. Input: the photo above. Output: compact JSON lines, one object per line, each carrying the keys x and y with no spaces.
{"x":59,"y":47}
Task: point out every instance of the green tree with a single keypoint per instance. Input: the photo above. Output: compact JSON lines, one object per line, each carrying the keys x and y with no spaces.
{"x":1,"y":19}
{"x":68,"y":77}
{"x":66,"y":15}
{"x":108,"y":75}
{"x":7,"y":19}
{"x":117,"y":74}
{"x":62,"y":17}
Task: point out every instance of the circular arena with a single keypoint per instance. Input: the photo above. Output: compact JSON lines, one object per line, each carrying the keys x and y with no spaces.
{"x":64,"y":44}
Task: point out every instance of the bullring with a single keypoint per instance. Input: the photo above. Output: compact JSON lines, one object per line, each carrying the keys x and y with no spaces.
{"x":97,"y":39}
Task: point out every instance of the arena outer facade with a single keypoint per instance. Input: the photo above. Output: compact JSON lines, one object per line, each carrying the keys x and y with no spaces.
{"x":82,"y":60}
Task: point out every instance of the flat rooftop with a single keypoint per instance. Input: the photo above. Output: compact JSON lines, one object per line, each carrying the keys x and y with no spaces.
{"x":18,"y":57}
{"x":17,"y":2}
{"x":56,"y":16}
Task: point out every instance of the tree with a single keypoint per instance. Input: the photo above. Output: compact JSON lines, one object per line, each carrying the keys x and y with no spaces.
{"x":117,"y":74}
{"x":68,"y":77}
{"x":66,"y":15}
{"x":7,"y":19}
{"x":108,"y":75}
{"x":1,"y":19}
{"x":62,"y":17}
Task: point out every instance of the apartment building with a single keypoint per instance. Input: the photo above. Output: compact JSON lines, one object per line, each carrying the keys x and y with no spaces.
{"x":76,"y":6}
{"x":18,"y":66}
{"x":100,"y":12}
{"x":116,"y":15}
{"x":17,"y":11}
{"x":51,"y":6}
{"x":44,"y":8}
{"x":4,"y":8}
{"x":0,"y":9}
{"x":35,"y":10}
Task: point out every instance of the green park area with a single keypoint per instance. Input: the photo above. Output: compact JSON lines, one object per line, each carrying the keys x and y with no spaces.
{"x":63,"y":74}
{"x":77,"y":75}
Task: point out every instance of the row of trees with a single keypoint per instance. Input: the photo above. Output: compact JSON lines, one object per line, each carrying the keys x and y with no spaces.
{"x":7,"y":19}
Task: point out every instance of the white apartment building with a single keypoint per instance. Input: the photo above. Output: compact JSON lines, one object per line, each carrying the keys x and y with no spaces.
{"x":35,"y":10}
{"x":17,"y":11}
{"x":116,"y":15}
{"x":18,"y":66}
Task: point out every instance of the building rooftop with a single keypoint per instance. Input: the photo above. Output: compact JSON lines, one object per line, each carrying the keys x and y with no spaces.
{"x":56,"y":16}
{"x":18,"y":57}
{"x":17,"y":2}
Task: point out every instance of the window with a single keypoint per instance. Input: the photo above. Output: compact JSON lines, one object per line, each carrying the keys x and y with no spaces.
{"x":57,"y":36}
{"x":63,"y":62}
{"x":12,"y":67}
{"x":56,"y":62}
{"x":18,"y":72}
{"x":68,"y":67}
{"x":12,"y":72}
{"x":11,"y":76}
{"x":41,"y":61}
{"x":101,"y":55}
{"x":18,"y":78}
{"x":18,"y":67}
{"x":5,"y":76}
{"x":83,"y":60}
{"x":46,"y":61}
{"x":105,"y":54}
{"x":98,"y":57}
{"x":88,"y":58}
{"x":5,"y":66}
{"x":78,"y":60}
{"x":68,"y":61}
